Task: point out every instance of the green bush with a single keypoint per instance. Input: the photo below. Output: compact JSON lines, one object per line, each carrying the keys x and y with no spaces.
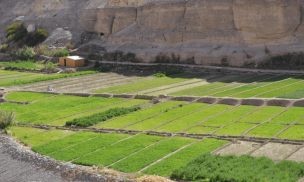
{"x":239,"y":169}
{"x":26,"y":53}
{"x":36,"y":37}
{"x":16,"y":31}
{"x":6,"y":119}
{"x":100,"y":117}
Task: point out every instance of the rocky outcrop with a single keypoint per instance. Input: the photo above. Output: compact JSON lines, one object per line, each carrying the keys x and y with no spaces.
{"x":231,"y":32}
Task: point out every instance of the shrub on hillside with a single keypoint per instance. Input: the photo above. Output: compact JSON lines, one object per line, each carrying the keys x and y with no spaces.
{"x":6,"y":119}
{"x":100,"y":117}
{"x":173,"y":59}
{"x":51,"y":52}
{"x":4,"y":48}
{"x":26,"y":53}
{"x":36,"y":37}
{"x":16,"y":31}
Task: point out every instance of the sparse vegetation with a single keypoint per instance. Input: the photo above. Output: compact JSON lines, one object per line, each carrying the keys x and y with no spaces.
{"x":36,"y":37}
{"x":25,"y":53}
{"x":51,"y":52}
{"x":237,"y":169}
{"x":6,"y":118}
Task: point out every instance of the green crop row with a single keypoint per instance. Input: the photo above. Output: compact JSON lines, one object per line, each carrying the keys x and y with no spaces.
{"x":229,"y":168}
{"x":264,"y":86}
{"x":101,"y":117}
{"x":142,"y":84}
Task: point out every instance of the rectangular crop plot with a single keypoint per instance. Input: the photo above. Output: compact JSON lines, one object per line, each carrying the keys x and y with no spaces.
{"x":124,"y":121}
{"x":234,"y":129}
{"x":60,"y":108}
{"x":35,"y":137}
{"x":10,"y":78}
{"x":181,"y":158}
{"x":263,"y":114}
{"x":171,"y":115}
{"x":292,"y":91}
{"x":230,"y":116}
{"x":294,"y":133}
{"x":68,"y":141}
{"x":27,"y":96}
{"x":150,"y":154}
{"x":142,"y":84}
{"x":292,"y":115}
{"x":266,"y":130}
{"x":256,"y":92}
{"x":108,"y":155}
{"x":192,"y":119}
{"x":98,"y":141}
{"x":200,"y":129}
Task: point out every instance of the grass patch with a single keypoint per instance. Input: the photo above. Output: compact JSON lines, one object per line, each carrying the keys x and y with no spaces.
{"x":26,"y":96}
{"x":293,"y":114}
{"x":245,"y":168}
{"x":22,"y":65}
{"x":234,"y":129}
{"x":262,"y":114}
{"x":101,"y":117}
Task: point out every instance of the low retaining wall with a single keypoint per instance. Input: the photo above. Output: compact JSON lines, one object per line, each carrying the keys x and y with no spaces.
{"x":167,"y":134}
{"x":121,"y":66}
{"x":209,"y":100}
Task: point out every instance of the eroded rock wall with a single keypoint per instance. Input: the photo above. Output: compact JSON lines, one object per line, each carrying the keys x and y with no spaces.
{"x":210,"y":31}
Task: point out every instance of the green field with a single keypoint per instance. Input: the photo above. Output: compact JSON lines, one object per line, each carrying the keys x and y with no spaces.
{"x":127,"y":153}
{"x":11,"y":78}
{"x":131,"y":146}
{"x":168,"y":116}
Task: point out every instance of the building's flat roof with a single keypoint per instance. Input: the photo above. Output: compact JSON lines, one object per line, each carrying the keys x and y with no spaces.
{"x":75,"y":58}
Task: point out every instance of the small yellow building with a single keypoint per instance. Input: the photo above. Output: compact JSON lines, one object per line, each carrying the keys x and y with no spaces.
{"x":72,"y":61}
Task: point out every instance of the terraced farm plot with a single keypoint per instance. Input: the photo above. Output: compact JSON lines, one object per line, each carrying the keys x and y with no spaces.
{"x":153,"y":111}
{"x":11,"y":78}
{"x":58,"y":109}
{"x":294,"y":132}
{"x":266,"y":130}
{"x":128,"y":153}
{"x":152,"y":123}
{"x":142,"y":85}
{"x":179,"y":159}
{"x":263,"y":86}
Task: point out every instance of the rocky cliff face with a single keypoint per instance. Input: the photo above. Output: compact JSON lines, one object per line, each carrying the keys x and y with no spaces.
{"x":237,"y":31}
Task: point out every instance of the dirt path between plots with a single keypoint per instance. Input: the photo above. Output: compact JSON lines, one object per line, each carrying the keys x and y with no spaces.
{"x":18,"y":163}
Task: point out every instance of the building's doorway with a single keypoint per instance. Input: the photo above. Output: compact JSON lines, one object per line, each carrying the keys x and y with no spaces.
{"x":65,"y":62}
